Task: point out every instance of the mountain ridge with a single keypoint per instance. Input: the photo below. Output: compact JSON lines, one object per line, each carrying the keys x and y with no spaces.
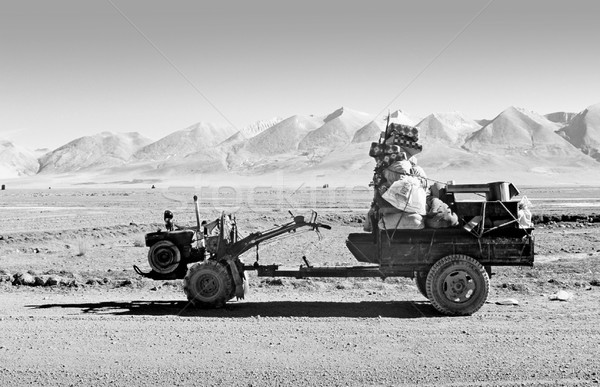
{"x":516,"y":140}
{"x":102,"y":150}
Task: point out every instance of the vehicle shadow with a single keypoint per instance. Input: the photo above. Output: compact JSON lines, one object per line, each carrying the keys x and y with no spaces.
{"x":314,"y":309}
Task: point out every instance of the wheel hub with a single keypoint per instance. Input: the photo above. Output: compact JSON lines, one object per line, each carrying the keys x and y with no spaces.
{"x":164,"y":257}
{"x":207,"y":285}
{"x":459,"y":286}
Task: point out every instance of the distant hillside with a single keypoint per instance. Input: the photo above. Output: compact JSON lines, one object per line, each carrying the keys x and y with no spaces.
{"x":518,"y":130}
{"x":583,"y":131}
{"x":259,"y":127}
{"x":16,"y":161}
{"x":451,"y":128}
{"x":368,"y":133}
{"x":561,"y":118}
{"x":337,"y":130}
{"x":282,"y":137}
{"x":196,"y":138}
{"x":40,"y":152}
{"x":103,"y":150}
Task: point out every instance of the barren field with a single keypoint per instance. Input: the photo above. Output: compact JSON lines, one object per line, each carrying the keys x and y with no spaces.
{"x":92,"y":321}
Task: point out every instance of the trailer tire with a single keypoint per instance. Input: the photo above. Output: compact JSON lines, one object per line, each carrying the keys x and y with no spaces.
{"x":457,"y":285}
{"x":164,"y":257}
{"x":208,"y":284}
{"x":421,"y":282}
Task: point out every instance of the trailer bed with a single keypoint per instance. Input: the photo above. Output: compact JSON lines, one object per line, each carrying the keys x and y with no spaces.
{"x":419,"y":249}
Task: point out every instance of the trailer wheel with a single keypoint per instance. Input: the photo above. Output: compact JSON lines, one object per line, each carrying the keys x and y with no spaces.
{"x":208,"y":284}
{"x":164,"y":257}
{"x":458,"y":285}
{"x":421,"y":282}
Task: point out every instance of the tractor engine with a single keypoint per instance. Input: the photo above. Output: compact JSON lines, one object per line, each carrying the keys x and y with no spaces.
{"x":171,"y":251}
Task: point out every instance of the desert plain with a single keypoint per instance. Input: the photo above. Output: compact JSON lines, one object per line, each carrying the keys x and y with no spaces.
{"x":90,"y":320}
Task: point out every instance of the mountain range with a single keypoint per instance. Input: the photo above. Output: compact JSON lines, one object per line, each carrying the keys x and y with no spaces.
{"x":517,"y":145}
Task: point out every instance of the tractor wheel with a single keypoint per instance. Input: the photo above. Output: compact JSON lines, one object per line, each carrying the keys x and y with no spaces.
{"x":164,"y":257}
{"x":208,"y":284}
{"x":458,"y":285}
{"x":421,"y":282}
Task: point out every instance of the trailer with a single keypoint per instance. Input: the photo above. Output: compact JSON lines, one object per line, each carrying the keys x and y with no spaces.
{"x":452,"y":267}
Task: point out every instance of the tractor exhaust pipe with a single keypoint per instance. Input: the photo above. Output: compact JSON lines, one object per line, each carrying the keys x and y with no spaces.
{"x":199,"y":233}
{"x":197,"y":213}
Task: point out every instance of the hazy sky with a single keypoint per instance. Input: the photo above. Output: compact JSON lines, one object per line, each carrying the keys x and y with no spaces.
{"x":74,"y":68}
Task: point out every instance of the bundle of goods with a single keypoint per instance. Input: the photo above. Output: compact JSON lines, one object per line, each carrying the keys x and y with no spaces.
{"x":439,"y":214}
{"x":400,"y":198}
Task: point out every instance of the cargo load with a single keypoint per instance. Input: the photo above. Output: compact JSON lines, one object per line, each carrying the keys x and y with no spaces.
{"x":400,"y":185}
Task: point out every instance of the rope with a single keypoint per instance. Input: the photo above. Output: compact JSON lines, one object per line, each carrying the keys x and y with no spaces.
{"x":403,"y":212}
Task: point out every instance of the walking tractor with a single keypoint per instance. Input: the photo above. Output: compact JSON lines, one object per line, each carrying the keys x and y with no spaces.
{"x":430,"y":233}
{"x":451,"y":266}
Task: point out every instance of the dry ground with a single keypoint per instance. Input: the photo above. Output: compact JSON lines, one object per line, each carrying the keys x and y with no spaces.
{"x":102,"y":325}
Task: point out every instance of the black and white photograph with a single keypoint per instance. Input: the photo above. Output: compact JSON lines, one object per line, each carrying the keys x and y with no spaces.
{"x":316,"y":193}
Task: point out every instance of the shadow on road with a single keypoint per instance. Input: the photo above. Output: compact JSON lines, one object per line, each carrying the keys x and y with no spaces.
{"x":364,"y":309}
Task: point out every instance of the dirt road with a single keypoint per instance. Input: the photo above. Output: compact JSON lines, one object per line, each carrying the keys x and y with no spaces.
{"x":103,"y":325}
{"x":346,"y":337}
